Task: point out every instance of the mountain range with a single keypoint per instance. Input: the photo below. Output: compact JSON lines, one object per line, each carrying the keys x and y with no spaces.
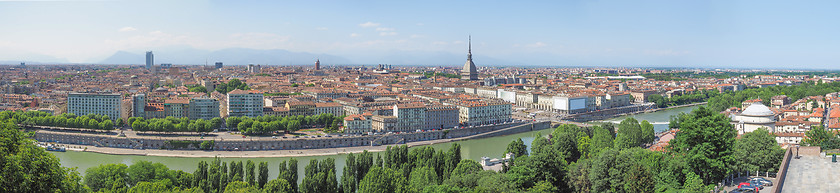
{"x":230,"y":56}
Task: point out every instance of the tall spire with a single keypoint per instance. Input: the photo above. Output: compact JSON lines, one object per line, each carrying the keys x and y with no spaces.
{"x":469,"y":48}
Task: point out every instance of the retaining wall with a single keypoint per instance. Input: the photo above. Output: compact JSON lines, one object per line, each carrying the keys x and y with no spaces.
{"x":291,"y":143}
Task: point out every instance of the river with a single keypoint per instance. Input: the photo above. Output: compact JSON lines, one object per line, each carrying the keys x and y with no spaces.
{"x":471,"y":149}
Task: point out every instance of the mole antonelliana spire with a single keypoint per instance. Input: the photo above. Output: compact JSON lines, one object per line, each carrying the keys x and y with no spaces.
{"x":469,"y":71}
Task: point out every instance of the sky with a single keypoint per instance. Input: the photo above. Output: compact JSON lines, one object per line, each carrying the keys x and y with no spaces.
{"x":733,"y":34}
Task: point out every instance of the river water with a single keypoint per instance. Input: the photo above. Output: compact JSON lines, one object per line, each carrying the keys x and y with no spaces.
{"x":471,"y":149}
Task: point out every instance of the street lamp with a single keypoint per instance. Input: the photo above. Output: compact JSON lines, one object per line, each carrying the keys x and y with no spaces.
{"x":797,"y":151}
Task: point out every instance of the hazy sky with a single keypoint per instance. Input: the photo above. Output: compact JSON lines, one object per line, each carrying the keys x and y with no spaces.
{"x":777,"y":34}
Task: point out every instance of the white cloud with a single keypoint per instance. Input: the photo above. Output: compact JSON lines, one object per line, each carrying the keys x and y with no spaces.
{"x":369,"y":24}
{"x":127,"y":29}
{"x":537,"y":45}
{"x":387,"y":33}
{"x":384,"y":29}
{"x":354,"y":35}
{"x":440,"y":43}
{"x":321,"y":28}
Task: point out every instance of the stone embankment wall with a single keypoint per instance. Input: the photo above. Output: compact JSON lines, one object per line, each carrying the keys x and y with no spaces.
{"x":291,"y":143}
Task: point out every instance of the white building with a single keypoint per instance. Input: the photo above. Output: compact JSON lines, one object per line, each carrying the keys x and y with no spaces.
{"x":100,"y":104}
{"x":753,"y":117}
{"x":244,"y":103}
{"x":357,"y":123}
{"x":574,"y":104}
{"x":479,"y":112}
{"x":204,"y":108}
{"x":410,"y":116}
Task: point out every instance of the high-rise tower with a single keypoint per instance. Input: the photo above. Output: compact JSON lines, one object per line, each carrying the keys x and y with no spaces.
{"x":150,"y":60}
{"x":317,"y":64}
{"x":469,"y":71}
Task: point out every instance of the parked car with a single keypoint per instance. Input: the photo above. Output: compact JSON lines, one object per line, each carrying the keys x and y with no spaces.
{"x":762,"y":181}
{"x":749,"y":185}
{"x":744,"y":190}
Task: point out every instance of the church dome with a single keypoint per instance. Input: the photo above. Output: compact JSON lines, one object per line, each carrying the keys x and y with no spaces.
{"x":757,"y":109}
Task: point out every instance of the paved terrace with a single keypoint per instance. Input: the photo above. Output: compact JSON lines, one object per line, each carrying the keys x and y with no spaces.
{"x":812,"y":173}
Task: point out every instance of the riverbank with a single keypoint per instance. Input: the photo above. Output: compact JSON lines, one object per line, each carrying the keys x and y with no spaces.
{"x":302,"y":152}
{"x":583,"y":118}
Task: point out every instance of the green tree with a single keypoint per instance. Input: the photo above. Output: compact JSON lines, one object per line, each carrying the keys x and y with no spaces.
{"x":518,"y":148}
{"x":757,"y":151}
{"x":278,"y":186}
{"x":263,"y":178}
{"x":249,"y":172}
{"x":348,"y":178}
{"x":26,"y":167}
{"x":629,"y":134}
{"x":152,"y":187}
{"x":106,"y":177}
{"x":466,"y":167}
{"x":578,"y":176}
{"x":694,"y":184}
{"x":566,"y":144}
{"x":240,"y":187}
{"x":422,"y":177}
{"x":601,"y":139}
{"x":381,"y":179}
{"x":817,"y":135}
{"x":543,"y":187}
{"x":648,"y":133}
{"x":146,"y":171}
{"x":707,"y":140}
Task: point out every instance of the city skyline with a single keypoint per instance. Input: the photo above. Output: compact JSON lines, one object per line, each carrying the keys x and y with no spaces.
{"x":614,"y":34}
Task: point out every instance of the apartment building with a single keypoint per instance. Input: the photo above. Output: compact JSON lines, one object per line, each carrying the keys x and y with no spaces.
{"x":203,"y":108}
{"x":244,"y":103}
{"x":89,"y":103}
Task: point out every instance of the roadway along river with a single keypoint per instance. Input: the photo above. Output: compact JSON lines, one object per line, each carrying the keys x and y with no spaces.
{"x":470,"y":149}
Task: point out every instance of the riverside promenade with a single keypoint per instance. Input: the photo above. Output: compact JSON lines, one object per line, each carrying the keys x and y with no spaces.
{"x":269,"y":147}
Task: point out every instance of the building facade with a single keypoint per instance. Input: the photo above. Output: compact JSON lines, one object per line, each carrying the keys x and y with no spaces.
{"x":331,"y":108}
{"x":203,"y":108}
{"x":383,"y":123}
{"x":244,"y":103}
{"x":441,"y":117}
{"x":100,"y":104}
{"x":410,"y":116}
{"x":357,"y":124}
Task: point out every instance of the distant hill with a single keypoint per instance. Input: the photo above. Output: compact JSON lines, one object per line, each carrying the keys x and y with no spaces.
{"x":123,"y":57}
{"x":230,"y":56}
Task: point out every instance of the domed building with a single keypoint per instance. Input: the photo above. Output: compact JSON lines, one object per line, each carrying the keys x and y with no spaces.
{"x":753,"y":117}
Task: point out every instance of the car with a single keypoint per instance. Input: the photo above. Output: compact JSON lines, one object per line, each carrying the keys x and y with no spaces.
{"x":750,"y":185}
{"x":274,"y":137}
{"x":744,"y":190}
{"x":762,"y":181}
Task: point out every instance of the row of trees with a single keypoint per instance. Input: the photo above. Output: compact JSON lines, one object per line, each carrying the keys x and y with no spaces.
{"x":90,"y":121}
{"x":267,"y":124}
{"x":696,"y":97}
{"x":733,"y":99}
{"x":172,"y":124}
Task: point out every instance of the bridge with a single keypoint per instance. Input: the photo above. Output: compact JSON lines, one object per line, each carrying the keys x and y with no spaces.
{"x":654,"y":123}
